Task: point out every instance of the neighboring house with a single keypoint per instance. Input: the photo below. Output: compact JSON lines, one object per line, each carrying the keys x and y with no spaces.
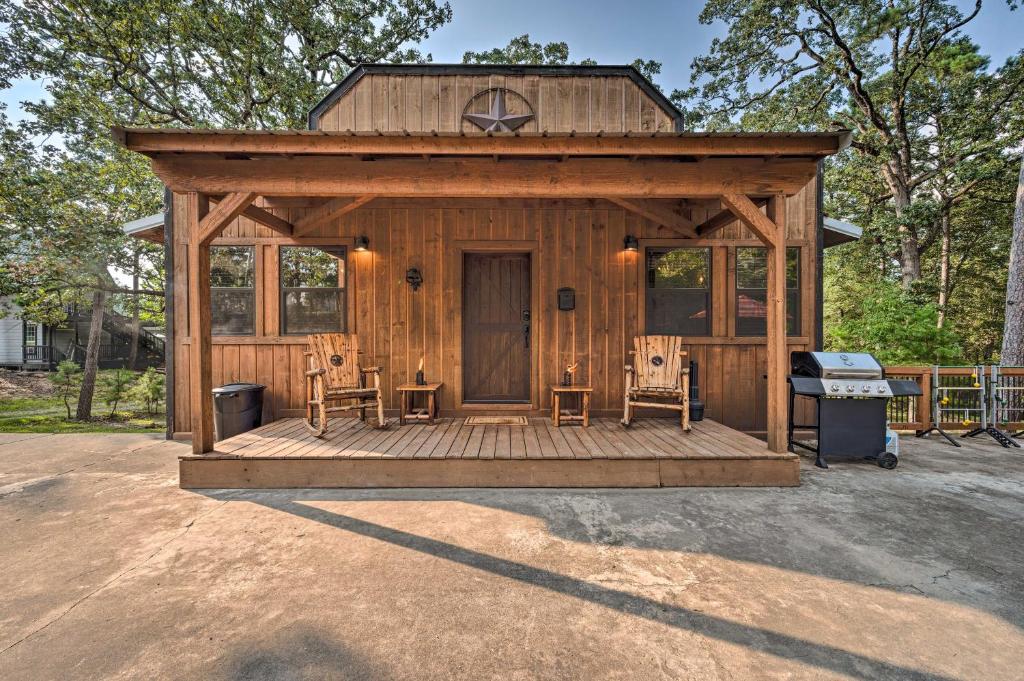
{"x":498,"y":223}
{"x":23,"y":343}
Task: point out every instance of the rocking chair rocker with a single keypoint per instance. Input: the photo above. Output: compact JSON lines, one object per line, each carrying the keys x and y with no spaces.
{"x":335,"y":382}
{"x":660,"y":370}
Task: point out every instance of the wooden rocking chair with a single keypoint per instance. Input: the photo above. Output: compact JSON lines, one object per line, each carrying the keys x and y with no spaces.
{"x":335,"y":377}
{"x":660,"y":370}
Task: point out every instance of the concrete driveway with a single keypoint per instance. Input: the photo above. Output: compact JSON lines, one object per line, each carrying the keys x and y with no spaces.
{"x":109,"y":571}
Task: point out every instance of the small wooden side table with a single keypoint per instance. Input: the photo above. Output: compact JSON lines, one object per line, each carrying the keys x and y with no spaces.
{"x":556,"y":404}
{"x":408,"y":410}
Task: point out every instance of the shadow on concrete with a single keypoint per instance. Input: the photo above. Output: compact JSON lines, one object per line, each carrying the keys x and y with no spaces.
{"x":294,"y":653}
{"x":780,"y":645}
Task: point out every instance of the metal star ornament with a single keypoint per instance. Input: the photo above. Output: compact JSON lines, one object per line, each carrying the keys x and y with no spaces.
{"x":499,"y":119}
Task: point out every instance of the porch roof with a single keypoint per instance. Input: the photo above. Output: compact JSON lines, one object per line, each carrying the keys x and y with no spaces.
{"x":695,"y":145}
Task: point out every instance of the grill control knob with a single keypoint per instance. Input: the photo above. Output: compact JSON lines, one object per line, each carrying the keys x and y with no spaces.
{"x":849,"y":388}
{"x":866,"y":389}
{"x":834,"y":387}
{"x":881,"y":390}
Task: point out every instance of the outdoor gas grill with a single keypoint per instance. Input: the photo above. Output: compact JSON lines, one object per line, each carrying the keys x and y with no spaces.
{"x":850,"y":393}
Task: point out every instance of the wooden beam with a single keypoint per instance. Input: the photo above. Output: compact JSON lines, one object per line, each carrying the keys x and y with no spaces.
{"x":659,"y":213}
{"x":200,"y":350}
{"x":691,"y":145}
{"x":771,"y":230}
{"x":331,"y":210}
{"x":230,"y":207}
{"x":518,"y":178}
{"x":721,"y":219}
{"x":777,"y":352}
{"x":751,"y":216}
{"x":265,"y":218}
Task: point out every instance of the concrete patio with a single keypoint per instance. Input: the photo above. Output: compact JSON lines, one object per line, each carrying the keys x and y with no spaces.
{"x":109,"y":570}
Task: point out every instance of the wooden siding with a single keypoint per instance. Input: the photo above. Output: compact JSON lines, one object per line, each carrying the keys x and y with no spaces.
{"x":572,"y":243}
{"x":424,"y":103}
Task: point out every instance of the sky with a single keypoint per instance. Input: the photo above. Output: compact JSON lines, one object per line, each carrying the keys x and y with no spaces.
{"x":614,"y":32}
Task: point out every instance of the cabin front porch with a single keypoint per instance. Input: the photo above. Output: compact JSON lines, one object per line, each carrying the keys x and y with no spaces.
{"x":653,"y":452}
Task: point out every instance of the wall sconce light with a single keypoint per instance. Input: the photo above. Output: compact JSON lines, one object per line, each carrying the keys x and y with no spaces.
{"x":630,"y":243}
{"x":414,"y":278}
{"x":362,"y":244}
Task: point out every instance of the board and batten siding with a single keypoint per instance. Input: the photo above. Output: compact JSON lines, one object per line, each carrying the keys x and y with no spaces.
{"x":572,"y":243}
{"x":425,"y":103}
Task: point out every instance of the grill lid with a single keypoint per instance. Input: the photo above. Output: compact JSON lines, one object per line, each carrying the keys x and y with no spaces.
{"x":857,"y":365}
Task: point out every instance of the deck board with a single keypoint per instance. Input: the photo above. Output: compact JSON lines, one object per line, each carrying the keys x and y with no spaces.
{"x":651,"y":452}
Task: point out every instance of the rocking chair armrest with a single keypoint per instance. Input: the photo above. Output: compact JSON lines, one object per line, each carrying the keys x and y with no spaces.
{"x":371,"y":370}
{"x":315,"y":372}
{"x":307,"y":353}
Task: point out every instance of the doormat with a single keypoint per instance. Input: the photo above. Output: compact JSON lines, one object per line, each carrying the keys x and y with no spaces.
{"x":497,"y":421}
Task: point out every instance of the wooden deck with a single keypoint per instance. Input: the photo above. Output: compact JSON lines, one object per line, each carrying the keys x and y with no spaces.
{"x":650,"y":453}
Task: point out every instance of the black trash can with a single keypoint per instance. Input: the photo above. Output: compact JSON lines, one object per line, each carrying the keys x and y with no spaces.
{"x":237,"y":407}
{"x":696,"y":404}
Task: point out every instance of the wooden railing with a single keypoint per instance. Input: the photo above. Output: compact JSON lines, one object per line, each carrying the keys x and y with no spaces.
{"x":915,"y":413}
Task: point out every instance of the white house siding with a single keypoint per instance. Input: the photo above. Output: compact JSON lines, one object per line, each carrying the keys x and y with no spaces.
{"x":11,"y":334}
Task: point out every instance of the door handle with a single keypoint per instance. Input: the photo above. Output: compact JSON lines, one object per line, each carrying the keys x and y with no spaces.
{"x":526,"y":335}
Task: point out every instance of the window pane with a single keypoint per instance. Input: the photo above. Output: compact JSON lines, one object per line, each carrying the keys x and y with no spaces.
{"x":232,"y":292}
{"x":231,"y":266}
{"x":314,"y":310}
{"x":751,"y":280}
{"x":679,"y":268}
{"x":312,"y":267}
{"x":233,"y":312}
{"x":678,"y":295}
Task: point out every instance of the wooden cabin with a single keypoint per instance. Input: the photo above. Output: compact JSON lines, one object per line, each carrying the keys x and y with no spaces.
{"x":497,"y":223}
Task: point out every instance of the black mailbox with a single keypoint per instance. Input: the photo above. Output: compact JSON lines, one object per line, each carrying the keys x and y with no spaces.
{"x":566,"y":299}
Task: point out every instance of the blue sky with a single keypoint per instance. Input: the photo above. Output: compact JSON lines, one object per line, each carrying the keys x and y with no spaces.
{"x":615,"y":32}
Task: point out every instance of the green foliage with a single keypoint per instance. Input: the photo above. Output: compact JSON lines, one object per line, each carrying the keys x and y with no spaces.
{"x":520,"y":50}
{"x":230,"y":63}
{"x":873,"y":314}
{"x":68,"y":379}
{"x":115,"y":386}
{"x":149,"y":390}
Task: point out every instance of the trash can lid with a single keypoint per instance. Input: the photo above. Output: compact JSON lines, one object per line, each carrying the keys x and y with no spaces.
{"x":238,"y":388}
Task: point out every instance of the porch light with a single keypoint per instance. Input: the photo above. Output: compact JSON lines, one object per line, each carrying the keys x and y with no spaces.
{"x":362,"y":244}
{"x":630,"y":243}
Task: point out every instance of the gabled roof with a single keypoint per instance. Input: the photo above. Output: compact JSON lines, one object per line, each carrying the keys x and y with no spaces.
{"x":362,"y":70}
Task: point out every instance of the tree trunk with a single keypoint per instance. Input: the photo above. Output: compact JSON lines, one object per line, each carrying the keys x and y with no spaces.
{"x":92,"y":356}
{"x":910,"y":257}
{"x":133,"y":350}
{"x":1013,"y":326}
{"x":944,"y":269}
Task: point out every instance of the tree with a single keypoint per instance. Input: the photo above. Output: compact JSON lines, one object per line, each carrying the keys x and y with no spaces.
{"x":149,"y":389}
{"x":1013,"y":325}
{"x":229,"y":63}
{"x":67,"y":378}
{"x":116,"y":385}
{"x":864,"y":65}
{"x":520,"y":50}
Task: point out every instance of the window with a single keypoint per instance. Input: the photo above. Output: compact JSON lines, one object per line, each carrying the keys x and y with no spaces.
{"x":232,"y":291}
{"x":678,"y":292}
{"x":312,"y":289}
{"x":30,"y":333}
{"x":751,"y":293}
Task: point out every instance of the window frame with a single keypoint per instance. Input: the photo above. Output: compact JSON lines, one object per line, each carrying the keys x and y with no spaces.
{"x":795,"y":312}
{"x":342,"y":288}
{"x":252,"y":289}
{"x":662,"y":246}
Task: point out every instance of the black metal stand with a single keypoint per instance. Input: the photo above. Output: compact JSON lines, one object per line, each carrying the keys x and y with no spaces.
{"x":819,"y":460}
{"x":935,"y":427}
{"x":996,"y":434}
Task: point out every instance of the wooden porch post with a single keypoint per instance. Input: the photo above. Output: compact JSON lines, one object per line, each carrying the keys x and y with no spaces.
{"x":777,"y":350}
{"x":771,"y":230}
{"x":203,"y":226}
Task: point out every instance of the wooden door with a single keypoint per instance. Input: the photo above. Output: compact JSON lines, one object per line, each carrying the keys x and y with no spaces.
{"x":496,"y":327}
